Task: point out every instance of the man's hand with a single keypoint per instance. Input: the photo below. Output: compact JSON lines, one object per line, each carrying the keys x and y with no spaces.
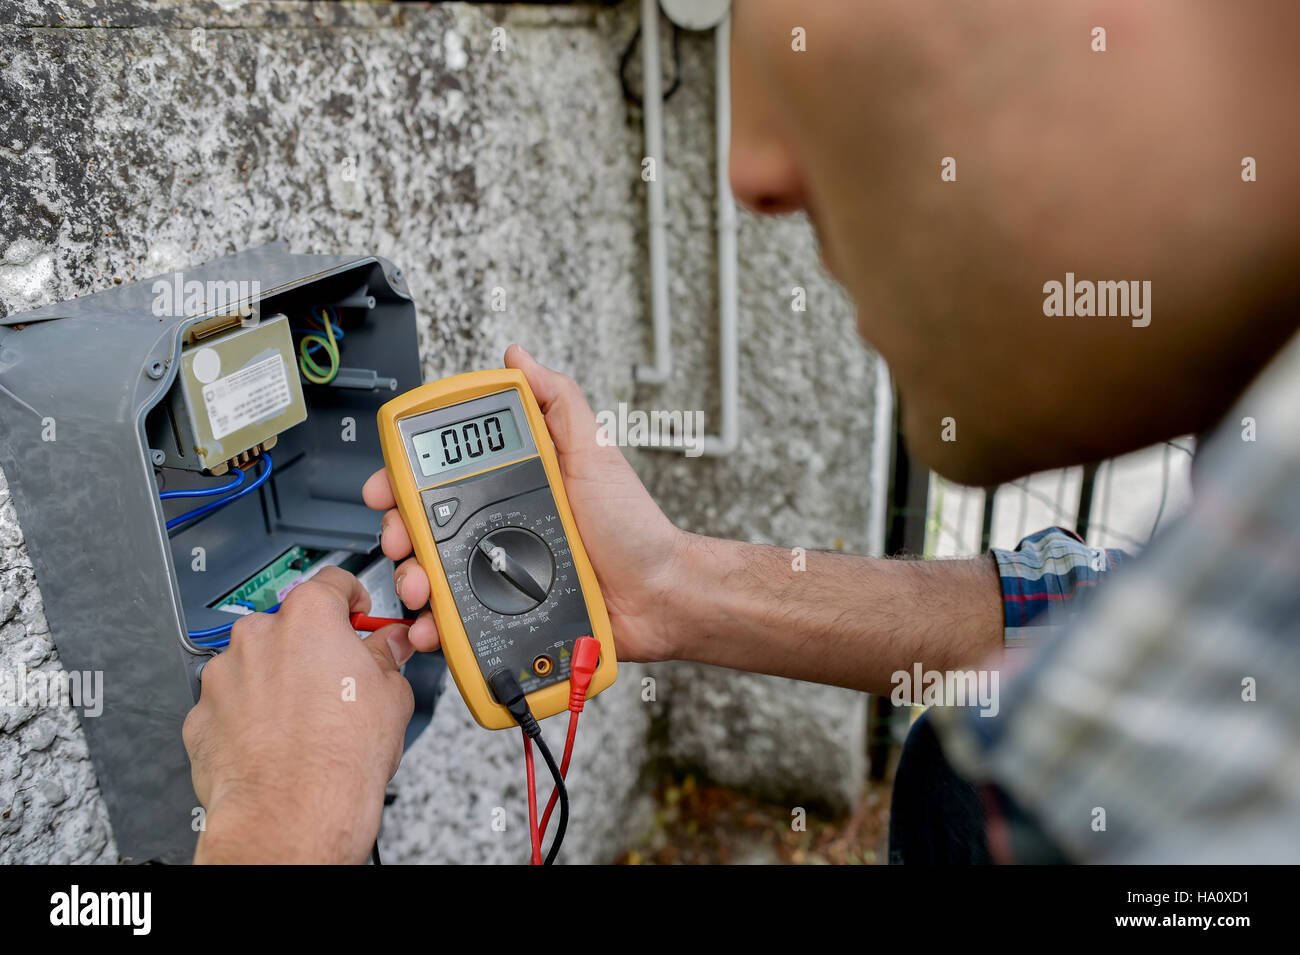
{"x":298,"y":730}
{"x":635,"y":550}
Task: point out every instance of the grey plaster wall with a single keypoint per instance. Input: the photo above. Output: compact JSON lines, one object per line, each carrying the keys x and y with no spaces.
{"x":130,"y":145}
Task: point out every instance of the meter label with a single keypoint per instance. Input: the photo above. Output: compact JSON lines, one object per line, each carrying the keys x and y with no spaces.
{"x":249,"y":395}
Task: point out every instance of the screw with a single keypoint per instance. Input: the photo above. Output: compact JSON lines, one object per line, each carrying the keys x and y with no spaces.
{"x":155,"y":369}
{"x":158,"y":457}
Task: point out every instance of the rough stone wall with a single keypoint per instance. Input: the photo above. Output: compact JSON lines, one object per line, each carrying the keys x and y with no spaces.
{"x":132,"y":145}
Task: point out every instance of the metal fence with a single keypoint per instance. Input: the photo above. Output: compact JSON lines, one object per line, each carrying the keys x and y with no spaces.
{"x":1118,"y":503}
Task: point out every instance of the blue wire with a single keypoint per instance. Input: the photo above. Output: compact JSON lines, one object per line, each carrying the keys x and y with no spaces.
{"x":337,"y":327}
{"x":207,"y":491}
{"x":197,"y":636}
{"x":324,"y":316}
{"x":217,"y":505}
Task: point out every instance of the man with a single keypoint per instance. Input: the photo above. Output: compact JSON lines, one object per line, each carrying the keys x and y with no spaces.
{"x":957,"y":160}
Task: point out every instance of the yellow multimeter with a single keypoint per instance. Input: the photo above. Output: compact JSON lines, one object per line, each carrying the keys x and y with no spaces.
{"x":478,"y":485}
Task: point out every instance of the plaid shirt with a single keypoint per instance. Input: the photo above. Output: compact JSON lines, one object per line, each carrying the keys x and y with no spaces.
{"x":1047,"y":580}
{"x":1163,"y":723}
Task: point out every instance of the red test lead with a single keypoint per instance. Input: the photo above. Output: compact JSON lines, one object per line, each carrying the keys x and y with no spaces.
{"x":369,"y":624}
{"x":586,"y":657}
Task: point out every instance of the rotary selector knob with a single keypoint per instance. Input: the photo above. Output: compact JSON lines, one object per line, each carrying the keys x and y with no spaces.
{"x":511,"y":570}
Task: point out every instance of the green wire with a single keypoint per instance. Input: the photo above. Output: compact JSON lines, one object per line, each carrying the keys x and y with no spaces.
{"x":307,"y":365}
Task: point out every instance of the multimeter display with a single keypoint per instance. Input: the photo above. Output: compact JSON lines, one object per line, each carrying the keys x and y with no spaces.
{"x":472,"y":441}
{"x":479,"y":486}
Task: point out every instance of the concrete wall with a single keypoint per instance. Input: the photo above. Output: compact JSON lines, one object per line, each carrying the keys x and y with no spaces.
{"x":126,"y":152}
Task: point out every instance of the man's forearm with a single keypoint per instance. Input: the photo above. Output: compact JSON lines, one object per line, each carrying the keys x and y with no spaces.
{"x":841,"y":619}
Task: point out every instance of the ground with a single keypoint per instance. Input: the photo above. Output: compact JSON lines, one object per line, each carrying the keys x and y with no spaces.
{"x":699,"y":823}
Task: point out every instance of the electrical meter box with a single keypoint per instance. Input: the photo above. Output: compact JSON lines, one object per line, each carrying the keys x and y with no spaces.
{"x":122,"y":411}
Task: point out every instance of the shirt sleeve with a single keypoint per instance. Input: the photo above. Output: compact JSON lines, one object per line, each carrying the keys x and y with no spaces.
{"x":1047,"y":580}
{"x":1162,"y":726}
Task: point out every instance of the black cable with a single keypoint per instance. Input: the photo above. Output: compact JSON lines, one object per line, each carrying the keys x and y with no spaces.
{"x":564,"y":799}
{"x":627,"y":58}
{"x":510,"y":694}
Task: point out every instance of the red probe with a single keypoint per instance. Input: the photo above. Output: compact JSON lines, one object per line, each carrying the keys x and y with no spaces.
{"x":369,"y":624}
{"x":586,"y":657}
{"x":534,"y":833}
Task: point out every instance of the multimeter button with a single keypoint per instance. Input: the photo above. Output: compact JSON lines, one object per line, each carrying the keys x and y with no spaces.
{"x":443,"y":511}
{"x":511,"y":570}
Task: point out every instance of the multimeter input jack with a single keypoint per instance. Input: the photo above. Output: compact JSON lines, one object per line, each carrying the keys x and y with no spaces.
{"x":543,"y":665}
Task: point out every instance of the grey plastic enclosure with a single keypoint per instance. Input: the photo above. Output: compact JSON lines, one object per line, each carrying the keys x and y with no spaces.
{"x":83,"y":406}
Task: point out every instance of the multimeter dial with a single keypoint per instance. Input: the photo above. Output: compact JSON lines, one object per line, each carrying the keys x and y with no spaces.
{"x":510,"y":570}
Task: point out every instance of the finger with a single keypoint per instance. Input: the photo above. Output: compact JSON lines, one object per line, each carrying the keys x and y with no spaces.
{"x":394,"y":538}
{"x":411,"y":584}
{"x":331,"y":593}
{"x":390,"y":646}
{"x":377,"y":492}
{"x":424,"y":633}
{"x":568,"y":416}
{"x":249,"y":628}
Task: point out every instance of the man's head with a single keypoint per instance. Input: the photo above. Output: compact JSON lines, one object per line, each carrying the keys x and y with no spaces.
{"x":1124,"y":165}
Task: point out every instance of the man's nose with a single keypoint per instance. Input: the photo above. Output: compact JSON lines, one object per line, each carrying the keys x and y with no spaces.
{"x":764,"y":171}
{"x":765,"y":176}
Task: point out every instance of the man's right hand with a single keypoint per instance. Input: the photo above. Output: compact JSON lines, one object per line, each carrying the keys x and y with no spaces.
{"x":636,"y":551}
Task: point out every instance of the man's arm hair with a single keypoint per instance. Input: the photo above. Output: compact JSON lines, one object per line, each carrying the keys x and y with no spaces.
{"x":842,"y":619}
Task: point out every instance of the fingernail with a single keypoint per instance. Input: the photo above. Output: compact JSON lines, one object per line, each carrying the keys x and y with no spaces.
{"x":401,"y":647}
{"x":398,"y":586}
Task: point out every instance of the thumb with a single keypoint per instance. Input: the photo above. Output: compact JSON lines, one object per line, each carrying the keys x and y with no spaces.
{"x":390,"y":646}
{"x":569,"y":418}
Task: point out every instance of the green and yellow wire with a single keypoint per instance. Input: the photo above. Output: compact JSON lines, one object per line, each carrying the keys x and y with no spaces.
{"x":307,"y":365}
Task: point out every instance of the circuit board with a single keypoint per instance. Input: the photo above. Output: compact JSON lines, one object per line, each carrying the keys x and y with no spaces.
{"x":272,"y":583}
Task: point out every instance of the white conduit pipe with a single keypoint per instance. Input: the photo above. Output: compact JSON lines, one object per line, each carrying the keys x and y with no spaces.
{"x":882,"y":452}
{"x":728,"y":436}
{"x":728,"y":289}
{"x":652,"y":100}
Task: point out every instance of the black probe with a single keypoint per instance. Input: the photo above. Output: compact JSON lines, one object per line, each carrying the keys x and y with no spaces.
{"x":508,"y":692}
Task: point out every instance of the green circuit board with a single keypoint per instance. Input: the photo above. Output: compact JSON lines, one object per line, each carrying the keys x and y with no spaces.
{"x":268,"y":586}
